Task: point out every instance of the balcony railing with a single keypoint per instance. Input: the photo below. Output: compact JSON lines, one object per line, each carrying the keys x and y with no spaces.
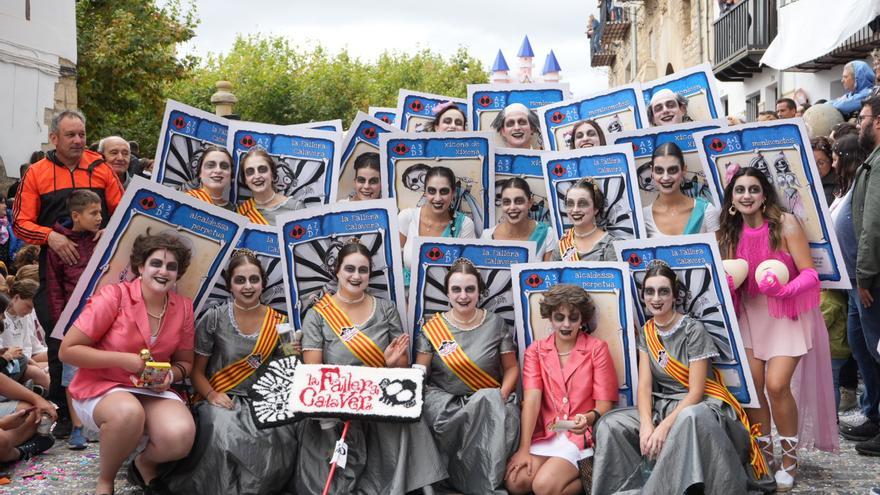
{"x":856,"y":47}
{"x":614,"y":25}
{"x":742,"y":35}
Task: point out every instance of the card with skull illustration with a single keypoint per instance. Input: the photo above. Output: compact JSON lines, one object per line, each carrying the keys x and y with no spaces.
{"x":415,"y":110}
{"x":486,"y":101}
{"x":695,"y":89}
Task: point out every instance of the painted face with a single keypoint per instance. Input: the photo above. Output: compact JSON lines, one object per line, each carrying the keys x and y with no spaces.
{"x":159,"y":271}
{"x":823,"y":162}
{"x":117,"y":154}
{"x":246,"y":285}
{"x":668,"y":112}
{"x":585,"y":136}
{"x":516,"y":131}
{"x":439,"y":194}
{"x":216,"y":173}
{"x":748,"y":196}
{"x":354,"y":274}
{"x":464,"y":292}
{"x":565,"y":321}
{"x":257,"y":174}
{"x":659,"y":297}
{"x":452,"y":120}
{"x":515,"y":204}
{"x":21,"y":307}
{"x":667,"y":174}
{"x":70,"y":140}
{"x":367,"y":184}
{"x":579,"y":207}
{"x":90,"y":218}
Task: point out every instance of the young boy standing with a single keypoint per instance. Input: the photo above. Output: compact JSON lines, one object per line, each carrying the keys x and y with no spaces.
{"x":84,"y":206}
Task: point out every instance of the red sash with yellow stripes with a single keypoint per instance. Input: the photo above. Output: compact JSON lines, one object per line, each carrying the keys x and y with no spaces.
{"x":200,"y":194}
{"x":249,"y":209}
{"x":229,"y":377}
{"x":355,"y":341}
{"x":454,"y":357}
{"x":567,"y":247}
{"x":714,"y":388}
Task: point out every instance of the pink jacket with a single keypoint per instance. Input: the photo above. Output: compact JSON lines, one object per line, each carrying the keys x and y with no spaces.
{"x":115,"y":318}
{"x":589,"y":375}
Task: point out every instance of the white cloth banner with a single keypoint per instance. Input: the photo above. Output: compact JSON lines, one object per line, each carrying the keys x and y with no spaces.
{"x":809,"y":29}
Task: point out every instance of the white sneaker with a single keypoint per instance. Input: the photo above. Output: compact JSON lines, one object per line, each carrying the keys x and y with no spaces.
{"x":784,"y":481}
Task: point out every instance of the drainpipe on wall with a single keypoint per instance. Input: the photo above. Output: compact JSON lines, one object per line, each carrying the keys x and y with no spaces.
{"x":633,"y":9}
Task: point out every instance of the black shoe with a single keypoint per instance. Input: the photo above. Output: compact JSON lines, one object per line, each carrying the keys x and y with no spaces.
{"x":34,"y":446}
{"x":859,"y":433}
{"x":869,"y":447}
{"x":134,"y":476}
{"x":62,"y":427}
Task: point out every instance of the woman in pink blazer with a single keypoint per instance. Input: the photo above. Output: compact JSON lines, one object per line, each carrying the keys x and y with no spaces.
{"x":105,"y":342}
{"x":569,"y":381}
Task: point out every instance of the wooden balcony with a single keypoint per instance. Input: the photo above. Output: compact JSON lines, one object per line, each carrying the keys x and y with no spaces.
{"x":742,"y":35}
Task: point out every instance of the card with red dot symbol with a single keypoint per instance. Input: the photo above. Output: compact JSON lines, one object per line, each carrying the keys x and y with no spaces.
{"x":717,"y":145}
{"x":386,"y":119}
{"x":369,"y":132}
{"x":297,"y":231}
{"x":248,"y":141}
{"x":558,"y":170}
{"x":148,"y":203}
{"x":401,"y":149}
{"x":557,"y":117}
{"x":634,"y":259}
{"x":434,"y":254}
{"x":179,"y":122}
{"x":416,"y":105}
{"x":485,"y":101}
{"x":534,"y":280}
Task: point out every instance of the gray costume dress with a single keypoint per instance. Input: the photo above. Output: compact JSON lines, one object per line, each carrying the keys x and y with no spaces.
{"x":383,"y":458}
{"x":603,"y":250}
{"x":230,"y":454}
{"x":476,"y":432}
{"x":707,"y":444}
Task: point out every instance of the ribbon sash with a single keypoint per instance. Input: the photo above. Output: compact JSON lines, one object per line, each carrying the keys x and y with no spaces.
{"x":200,"y":194}
{"x":714,"y":388}
{"x":354,"y":340}
{"x":229,"y":377}
{"x":567,"y":247}
{"x":249,"y":209}
{"x":454,"y":357}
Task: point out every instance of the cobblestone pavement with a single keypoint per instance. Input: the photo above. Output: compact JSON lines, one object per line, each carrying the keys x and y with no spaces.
{"x":62,"y":471}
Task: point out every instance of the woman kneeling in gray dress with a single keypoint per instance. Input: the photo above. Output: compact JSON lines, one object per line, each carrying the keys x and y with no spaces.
{"x":383,"y":458}
{"x":231,"y":455}
{"x":470,"y":359}
{"x":689,"y":432}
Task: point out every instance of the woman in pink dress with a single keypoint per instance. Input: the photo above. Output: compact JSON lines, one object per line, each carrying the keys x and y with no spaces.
{"x":106,"y":344}
{"x":782,"y":328}
{"x":569,"y":382}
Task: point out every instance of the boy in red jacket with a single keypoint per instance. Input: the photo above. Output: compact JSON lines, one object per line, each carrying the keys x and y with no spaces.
{"x":84,"y":207}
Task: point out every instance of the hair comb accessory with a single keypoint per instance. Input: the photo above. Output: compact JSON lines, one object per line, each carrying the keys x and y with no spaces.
{"x":656,"y":262}
{"x":441,"y":107}
{"x":730,"y":171}
{"x":352,"y":240}
{"x":243,"y":252}
{"x":465,"y":261}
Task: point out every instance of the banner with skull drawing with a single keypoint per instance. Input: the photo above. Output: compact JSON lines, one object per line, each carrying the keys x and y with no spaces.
{"x":695,"y":87}
{"x":609,"y":288}
{"x":263,"y":241}
{"x":492,"y":258}
{"x":615,"y":110}
{"x":781,"y":151}
{"x":186,"y":132}
{"x":306,"y":159}
{"x":362,"y":137}
{"x":311,"y":239}
{"x":149,"y":208}
{"x":525,"y":164}
{"x":385,"y":114}
{"x":486,"y":101}
{"x":645,"y":141}
{"x":415,"y":110}
{"x":614,"y":171}
{"x":407,"y":157}
{"x":697,"y":264}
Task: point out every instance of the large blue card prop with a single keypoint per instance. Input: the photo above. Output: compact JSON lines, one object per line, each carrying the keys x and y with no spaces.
{"x":608,"y":286}
{"x":385,"y":114}
{"x":486,"y":101}
{"x":334,"y":125}
{"x":263,"y":241}
{"x":306,"y":159}
{"x":415,"y":110}
{"x":492,"y":258}
{"x":645,"y":141}
{"x":407,"y":157}
{"x":613,"y":169}
{"x":525,"y":164}
{"x":362,"y":137}
{"x":696,"y":85}
{"x":146,"y":207}
{"x":186,"y":132}
{"x":615,"y":110}
{"x":781,"y":150}
{"x":697,"y":263}
{"x":311,"y":240}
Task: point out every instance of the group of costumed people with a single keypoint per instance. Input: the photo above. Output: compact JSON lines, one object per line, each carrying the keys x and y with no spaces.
{"x":477,"y":434}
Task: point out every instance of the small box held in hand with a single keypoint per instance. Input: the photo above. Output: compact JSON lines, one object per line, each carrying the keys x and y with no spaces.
{"x":154,"y":373}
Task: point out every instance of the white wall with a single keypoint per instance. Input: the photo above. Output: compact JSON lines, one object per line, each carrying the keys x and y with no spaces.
{"x":29,"y":70}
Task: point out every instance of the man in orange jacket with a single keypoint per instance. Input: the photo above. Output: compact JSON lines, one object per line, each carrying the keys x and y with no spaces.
{"x":41,"y":201}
